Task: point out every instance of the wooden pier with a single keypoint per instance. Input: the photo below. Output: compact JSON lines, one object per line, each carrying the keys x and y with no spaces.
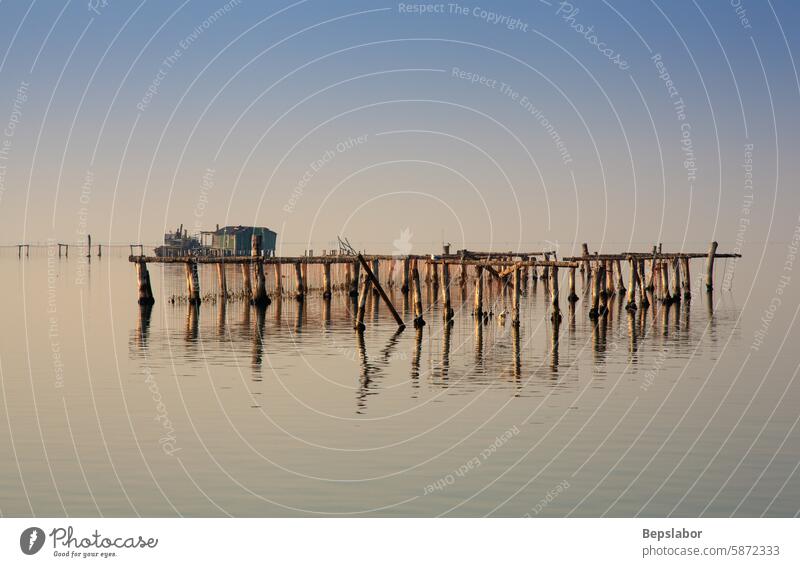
{"x":361,"y":275}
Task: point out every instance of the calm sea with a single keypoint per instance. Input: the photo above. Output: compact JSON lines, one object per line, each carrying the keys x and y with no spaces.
{"x":109,"y":409}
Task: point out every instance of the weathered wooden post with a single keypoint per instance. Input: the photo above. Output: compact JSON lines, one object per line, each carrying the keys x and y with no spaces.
{"x":248,"y":288}
{"x":546,"y":269}
{"x":193,"y":282}
{"x":88,"y":245}
{"x":633,"y":278}
{"x":447,"y":311}
{"x":586,"y":267}
{"x":418,"y":320}
{"x":356,"y":278}
{"x":665,"y":296}
{"x":326,"y":280}
{"x":676,"y":279}
{"x":259,"y":297}
{"x":603,"y":289}
{"x":434,"y":273}
{"x":99,"y":250}
{"x":610,"y":277}
{"x":620,"y":278}
{"x":687,"y":278}
{"x":573,"y":297}
{"x":300,"y":289}
{"x":596,"y":276}
{"x":404,"y":287}
{"x":221,"y":282}
{"x":515,"y":298}
{"x":712,"y":250}
{"x":143,"y":278}
{"x":651,"y":282}
{"x":362,"y":304}
{"x":478,"y":308}
{"x":556,"y":315}
{"x":642,"y":291}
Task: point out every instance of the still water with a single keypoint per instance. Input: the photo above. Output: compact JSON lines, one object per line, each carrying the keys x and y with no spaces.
{"x":112,"y":410}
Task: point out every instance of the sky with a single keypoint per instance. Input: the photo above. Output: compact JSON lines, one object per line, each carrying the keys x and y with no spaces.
{"x":401,"y":126}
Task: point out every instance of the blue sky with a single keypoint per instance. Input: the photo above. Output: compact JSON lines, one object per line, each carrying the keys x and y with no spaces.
{"x":359,"y":118}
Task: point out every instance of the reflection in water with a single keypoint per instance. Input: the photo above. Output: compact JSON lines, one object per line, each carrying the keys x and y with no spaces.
{"x":143,"y":328}
{"x":221,"y":315}
{"x":444,"y":366}
{"x":415,"y":358}
{"x":478,"y":341}
{"x":192,"y":323}
{"x":258,"y":336}
{"x":516,"y":351}
{"x":554,"y":341}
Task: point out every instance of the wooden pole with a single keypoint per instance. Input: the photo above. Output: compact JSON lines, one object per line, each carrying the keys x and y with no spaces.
{"x":573,"y":297}
{"x":556,"y":315}
{"x":247,"y":287}
{"x":597,"y":277}
{"x":89,"y":246}
{"x":356,"y":277}
{"x":260,"y":298}
{"x":447,"y":311}
{"x":300,"y":289}
{"x":326,"y":281}
{"x":665,"y":297}
{"x":676,"y":279}
{"x":515,"y":298}
{"x":620,"y":278}
{"x":478,"y":308}
{"x":362,"y":304}
{"x":609,"y":277}
{"x":603,"y":290}
{"x":712,"y":250}
{"x":586,"y":267}
{"x":222,"y":283}
{"x":193,"y":282}
{"x":651,"y":283}
{"x":632,"y":283}
{"x":418,"y":320}
{"x":642,"y":291}
{"x":687,"y":279}
{"x":99,"y":250}
{"x":382,"y":293}
{"x":143,"y":278}
{"x":404,"y":287}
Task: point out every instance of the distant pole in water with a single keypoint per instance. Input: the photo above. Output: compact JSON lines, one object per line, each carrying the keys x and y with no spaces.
{"x":712,"y":250}
{"x":515,"y":298}
{"x":221,"y":281}
{"x":99,"y":250}
{"x":676,"y":279}
{"x":248,"y":288}
{"x":620,"y":278}
{"x":585,"y":266}
{"x":640,"y":278}
{"x":89,"y":246}
{"x":404,"y":287}
{"x":573,"y":297}
{"x":355,"y":280}
{"x":278,"y":279}
{"x":362,"y":304}
{"x":597,"y":276}
{"x":193,"y":282}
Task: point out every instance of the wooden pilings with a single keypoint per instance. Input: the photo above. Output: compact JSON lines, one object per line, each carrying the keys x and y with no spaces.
{"x":676,"y":279}
{"x":418,"y":319}
{"x":326,"y":281}
{"x":585,"y":266}
{"x":712,"y":250}
{"x":376,"y":267}
{"x":246,"y":283}
{"x":404,"y":287}
{"x":633,"y":280}
{"x":362,"y":304}
{"x":88,"y":245}
{"x":687,"y":279}
{"x":447,"y":311}
{"x":478,"y":307}
{"x":145,"y":290}
{"x":515,"y":297}
{"x":278,"y":280}
{"x":598,"y":277}
{"x":259,"y":297}
{"x":620,"y":278}
{"x":356,"y":278}
{"x":377,"y":285}
{"x":640,"y":277}
{"x":573,"y":297}
{"x":556,"y":315}
{"x":222,"y":283}
{"x":192,"y":283}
